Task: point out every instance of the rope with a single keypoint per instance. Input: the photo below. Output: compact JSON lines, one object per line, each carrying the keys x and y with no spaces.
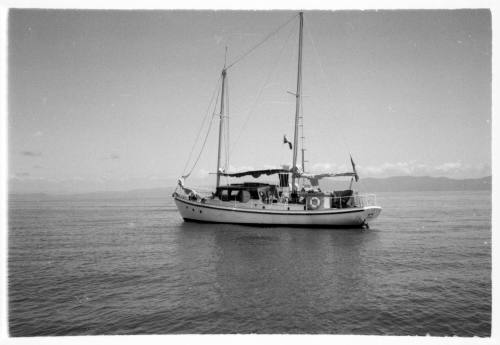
{"x":254,"y":105}
{"x":225,"y":133}
{"x":199,"y":132}
{"x":201,"y":126}
{"x":260,"y":43}
{"x":227,"y":125}
{"x":302,"y":137}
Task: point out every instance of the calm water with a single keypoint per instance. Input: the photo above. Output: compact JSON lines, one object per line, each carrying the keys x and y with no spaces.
{"x":131,"y":266}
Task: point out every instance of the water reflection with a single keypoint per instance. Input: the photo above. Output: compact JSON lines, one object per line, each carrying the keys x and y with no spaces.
{"x":281,"y":275}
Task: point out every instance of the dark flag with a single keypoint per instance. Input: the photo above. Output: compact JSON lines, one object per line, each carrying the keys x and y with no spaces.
{"x":285,"y":141}
{"x":354,"y":169}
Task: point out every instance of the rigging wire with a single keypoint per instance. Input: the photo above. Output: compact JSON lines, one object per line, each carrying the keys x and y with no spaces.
{"x":242,"y":56}
{"x":302,"y":137}
{"x":206,"y":137}
{"x":269,"y":76}
{"x":226,"y":132}
{"x":217,"y":91}
{"x":227,"y":124}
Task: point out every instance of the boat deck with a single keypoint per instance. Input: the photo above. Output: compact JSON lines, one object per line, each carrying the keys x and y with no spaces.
{"x":358,"y":200}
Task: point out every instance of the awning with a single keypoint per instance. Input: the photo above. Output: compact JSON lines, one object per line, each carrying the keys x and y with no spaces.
{"x":315,"y":178}
{"x":255,"y":173}
{"x":311,"y":177}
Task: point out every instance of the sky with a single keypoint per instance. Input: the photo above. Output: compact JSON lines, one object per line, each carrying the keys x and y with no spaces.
{"x":114,"y":100}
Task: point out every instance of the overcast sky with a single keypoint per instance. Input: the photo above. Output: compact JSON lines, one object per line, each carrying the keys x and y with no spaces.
{"x":114,"y":99}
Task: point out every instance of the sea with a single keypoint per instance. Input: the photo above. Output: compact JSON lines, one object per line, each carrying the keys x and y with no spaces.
{"x":126,"y":264}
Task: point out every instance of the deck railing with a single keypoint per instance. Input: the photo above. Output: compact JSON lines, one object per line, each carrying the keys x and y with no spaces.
{"x":356,"y":200}
{"x":364,"y":200}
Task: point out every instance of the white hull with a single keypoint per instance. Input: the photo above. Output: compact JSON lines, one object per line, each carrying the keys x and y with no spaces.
{"x":203,"y":212}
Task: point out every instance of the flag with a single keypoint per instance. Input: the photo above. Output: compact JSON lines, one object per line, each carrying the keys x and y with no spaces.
{"x":285,"y":141}
{"x":354,"y":169}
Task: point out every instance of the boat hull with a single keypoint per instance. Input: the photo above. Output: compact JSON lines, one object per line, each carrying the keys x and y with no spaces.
{"x":352,"y":217}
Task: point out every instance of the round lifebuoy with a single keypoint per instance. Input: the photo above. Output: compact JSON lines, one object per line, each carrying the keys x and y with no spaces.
{"x":313,"y":203}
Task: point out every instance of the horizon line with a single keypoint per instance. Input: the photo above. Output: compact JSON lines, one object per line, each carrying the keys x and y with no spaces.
{"x":68,"y":193}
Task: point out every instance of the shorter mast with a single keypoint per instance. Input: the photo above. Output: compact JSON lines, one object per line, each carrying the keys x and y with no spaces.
{"x":221,"y":125}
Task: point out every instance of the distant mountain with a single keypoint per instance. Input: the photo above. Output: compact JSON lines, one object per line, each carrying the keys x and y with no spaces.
{"x":422,"y":183}
{"x":369,"y":184}
{"x":130,"y":194}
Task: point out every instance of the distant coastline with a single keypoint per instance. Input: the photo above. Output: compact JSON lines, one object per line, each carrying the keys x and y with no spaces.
{"x":423,"y":183}
{"x":369,"y":184}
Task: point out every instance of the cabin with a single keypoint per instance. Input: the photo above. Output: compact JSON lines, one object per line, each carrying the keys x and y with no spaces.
{"x":270,"y":194}
{"x":244,"y":192}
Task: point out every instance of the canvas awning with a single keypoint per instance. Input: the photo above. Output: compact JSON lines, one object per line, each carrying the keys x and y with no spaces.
{"x":255,"y":173}
{"x":315,"y":178}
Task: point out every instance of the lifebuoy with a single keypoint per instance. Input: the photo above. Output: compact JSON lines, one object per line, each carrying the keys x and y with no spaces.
{"x":313,"y":203}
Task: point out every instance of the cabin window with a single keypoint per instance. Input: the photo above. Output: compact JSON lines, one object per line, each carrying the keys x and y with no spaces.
{"x":224,"y":195}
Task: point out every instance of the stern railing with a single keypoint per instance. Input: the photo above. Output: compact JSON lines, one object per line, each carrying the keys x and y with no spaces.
{"x":364,"y":200}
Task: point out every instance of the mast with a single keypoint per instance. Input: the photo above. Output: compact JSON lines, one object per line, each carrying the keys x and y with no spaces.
{"x":221,"y":124}
{"x":297,"y":104}
{"x":303,"y":160}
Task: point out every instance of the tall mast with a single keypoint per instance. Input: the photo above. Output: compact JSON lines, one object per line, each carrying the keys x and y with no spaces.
{"x":297,"y":104}
{"x":303,"y":160}
{"x":221,"y":123}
